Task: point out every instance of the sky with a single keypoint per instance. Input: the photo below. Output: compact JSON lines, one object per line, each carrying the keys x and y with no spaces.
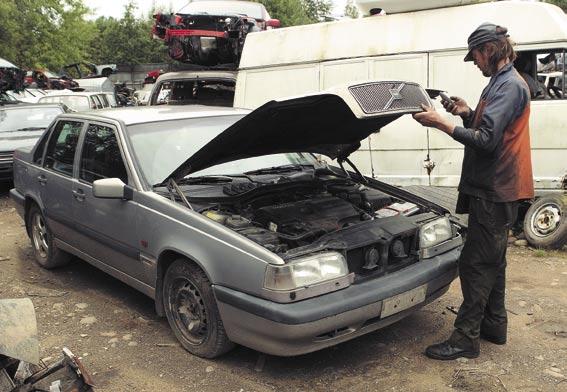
{"x":115,"y":8}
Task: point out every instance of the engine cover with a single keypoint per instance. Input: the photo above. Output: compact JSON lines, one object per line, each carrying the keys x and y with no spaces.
{"x":325,"y":213}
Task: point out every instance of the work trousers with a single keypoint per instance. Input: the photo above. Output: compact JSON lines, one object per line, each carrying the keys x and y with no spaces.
{"x":482,"y":271}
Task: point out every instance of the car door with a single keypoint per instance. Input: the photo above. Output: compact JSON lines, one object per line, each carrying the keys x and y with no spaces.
{"x":107,"y":227}
{"x":56,"y":179}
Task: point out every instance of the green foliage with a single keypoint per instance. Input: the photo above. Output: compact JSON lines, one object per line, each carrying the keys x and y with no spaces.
{"x":289,"y":12}
{"x":43,"y":33}
{"x":126,"y":41}
{"x":351,"y":10}
{"x":317,"y":10}
{"x":560,"y":3}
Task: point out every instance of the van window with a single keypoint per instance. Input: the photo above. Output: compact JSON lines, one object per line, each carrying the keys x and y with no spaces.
{"x":544,"y":72}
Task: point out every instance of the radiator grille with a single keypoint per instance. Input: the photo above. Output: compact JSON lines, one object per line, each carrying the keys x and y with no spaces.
{"x":385,"y":97}
{"x":6,"y":158}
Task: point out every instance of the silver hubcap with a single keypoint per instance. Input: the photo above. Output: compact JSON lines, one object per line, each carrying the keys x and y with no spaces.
{"x":546,"y":219}
{"x":39,"y":235}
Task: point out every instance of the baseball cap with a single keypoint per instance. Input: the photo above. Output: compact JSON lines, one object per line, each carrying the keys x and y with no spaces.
{"x":486,"y":32}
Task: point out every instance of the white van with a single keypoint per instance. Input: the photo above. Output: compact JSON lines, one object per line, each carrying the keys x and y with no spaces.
{"x":428,"y":47}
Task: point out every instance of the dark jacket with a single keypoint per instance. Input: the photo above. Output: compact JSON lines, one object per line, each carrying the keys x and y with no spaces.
{"x":497,"y":163}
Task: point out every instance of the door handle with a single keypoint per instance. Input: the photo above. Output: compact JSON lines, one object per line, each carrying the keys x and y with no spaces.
{"x":79,"y":195}
{"x":42,"y":179}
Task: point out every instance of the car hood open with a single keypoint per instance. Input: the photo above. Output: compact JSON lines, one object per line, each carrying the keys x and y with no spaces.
{"x":331,"y":123}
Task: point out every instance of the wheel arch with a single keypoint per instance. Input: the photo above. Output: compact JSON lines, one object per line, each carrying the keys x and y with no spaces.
{"x":29,"y":201}
{"x":164,"y":261}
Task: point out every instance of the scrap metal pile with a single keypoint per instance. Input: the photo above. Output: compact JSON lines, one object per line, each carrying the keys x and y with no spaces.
{"x":211,"y":33}
{"x":20,"y":367}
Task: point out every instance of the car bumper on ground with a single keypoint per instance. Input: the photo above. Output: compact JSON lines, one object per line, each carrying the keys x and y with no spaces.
{"x":316,"y":323}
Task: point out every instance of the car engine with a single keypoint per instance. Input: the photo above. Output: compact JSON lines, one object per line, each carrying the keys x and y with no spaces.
{"x":300,"y":216}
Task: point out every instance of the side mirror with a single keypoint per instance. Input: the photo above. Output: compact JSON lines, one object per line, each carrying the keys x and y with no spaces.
{"x":112,"y":188}
{"x":273,"y":23}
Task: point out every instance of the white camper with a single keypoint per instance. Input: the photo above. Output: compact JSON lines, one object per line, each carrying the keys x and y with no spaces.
{"x":426,"y":46}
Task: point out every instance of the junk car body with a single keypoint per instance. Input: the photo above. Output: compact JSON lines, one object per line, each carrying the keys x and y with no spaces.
{"x":215,"y":88}
{"x":231,"y":221}
{"x":211,"y":33}
{"x":20,"y":126}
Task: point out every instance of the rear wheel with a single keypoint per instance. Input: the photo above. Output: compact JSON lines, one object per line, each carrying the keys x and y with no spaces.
{"x":45,"y":252}
{"x":191,"y":310}
{"x":545,"y":223}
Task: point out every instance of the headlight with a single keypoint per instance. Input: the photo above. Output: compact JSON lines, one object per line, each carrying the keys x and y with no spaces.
{"x":435,"y":232}
{"x":306,"y":271}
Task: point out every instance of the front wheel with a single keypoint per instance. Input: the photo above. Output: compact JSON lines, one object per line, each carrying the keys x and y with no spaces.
{"x":545,"y":223}
{"x":45,"y":252}
{"x":191,"y":311}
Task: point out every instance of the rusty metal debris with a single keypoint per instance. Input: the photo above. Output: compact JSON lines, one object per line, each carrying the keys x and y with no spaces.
{"x":20,"y":367}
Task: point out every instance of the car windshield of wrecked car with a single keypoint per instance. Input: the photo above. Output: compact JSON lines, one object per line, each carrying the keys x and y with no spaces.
{"x":254,"y":10}
{"x":24,"y":118}
{"x":161,"y":147}
{"x":75,"y":102}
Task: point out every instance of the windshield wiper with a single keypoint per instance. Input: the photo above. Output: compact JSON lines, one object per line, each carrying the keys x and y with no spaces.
{"x":279,"y":169}
{"x":29,"y":129}
{"x":204,"y":180}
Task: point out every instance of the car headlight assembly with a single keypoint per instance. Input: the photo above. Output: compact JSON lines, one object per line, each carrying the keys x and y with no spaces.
{"x":306,"y":271}
{"x":435,"y":232}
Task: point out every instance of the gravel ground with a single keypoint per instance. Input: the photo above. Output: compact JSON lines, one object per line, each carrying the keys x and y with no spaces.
{"x":128,"y":348}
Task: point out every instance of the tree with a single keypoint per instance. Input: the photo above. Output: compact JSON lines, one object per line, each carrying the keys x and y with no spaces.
{"x":43,"y":33}
{"x":560,"y":3}
{"x":126,"y":41}
{"x":289,"y":12}
{"x":317,"y":10}
{"x":351,"y":10}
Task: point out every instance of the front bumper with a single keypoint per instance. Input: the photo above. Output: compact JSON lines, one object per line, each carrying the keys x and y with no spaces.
{"x":6,"y":166}
{"x":313,"y":324}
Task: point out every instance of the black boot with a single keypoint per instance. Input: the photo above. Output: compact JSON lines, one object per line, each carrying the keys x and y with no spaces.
{"x":455,"y":347}
{"x":493,"y":334}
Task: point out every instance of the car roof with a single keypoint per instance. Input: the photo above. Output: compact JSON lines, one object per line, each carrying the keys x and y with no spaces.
{"x":56,"y":93}
{"x":147,"y":114}
{"x":197,"y":75}
{"x":27,"y":105}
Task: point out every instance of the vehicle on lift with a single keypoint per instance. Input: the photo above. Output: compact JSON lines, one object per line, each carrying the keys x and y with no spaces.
{"x":229,"y":220}
{"x":211,"y":33}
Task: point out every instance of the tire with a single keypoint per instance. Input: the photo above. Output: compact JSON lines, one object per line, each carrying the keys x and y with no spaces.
{"x":192,"y":312}
{"x":46,"y":254}
{"x":545,"y":223}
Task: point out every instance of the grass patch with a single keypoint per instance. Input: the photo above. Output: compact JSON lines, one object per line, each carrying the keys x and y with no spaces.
{"x":540,"y":253}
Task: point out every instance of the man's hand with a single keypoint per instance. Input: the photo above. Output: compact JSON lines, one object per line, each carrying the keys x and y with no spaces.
{"x":457,"y":107}
{"x":431,"y":118}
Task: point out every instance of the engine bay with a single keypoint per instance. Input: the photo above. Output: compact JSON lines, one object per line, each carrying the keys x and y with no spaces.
{"x":292,"y":216}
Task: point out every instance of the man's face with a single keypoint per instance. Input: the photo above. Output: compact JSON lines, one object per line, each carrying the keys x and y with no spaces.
{"x":480,"y":58}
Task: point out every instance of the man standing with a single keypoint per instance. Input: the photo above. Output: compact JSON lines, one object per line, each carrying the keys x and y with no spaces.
{"x":496,"y":174}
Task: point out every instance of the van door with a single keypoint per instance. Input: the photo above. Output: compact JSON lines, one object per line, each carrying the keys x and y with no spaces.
{"x":398,"y":151}
{"x":448,"y":72}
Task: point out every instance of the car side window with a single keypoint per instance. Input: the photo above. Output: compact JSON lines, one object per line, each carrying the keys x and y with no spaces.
{"x":40,"y":148}
{"x":96,"y":99}
{"x":100,"y":157}
{"x":62,"y":146}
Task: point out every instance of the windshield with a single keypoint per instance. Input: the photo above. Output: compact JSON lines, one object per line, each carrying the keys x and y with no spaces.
{"x":161,"y":147}
{"x":75,"y":102}
{"x":253,"y":10}
{"x":26,"y":117}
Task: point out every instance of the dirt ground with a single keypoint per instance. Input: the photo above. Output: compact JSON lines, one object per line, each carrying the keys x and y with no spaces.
{"x":127,"y":348}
